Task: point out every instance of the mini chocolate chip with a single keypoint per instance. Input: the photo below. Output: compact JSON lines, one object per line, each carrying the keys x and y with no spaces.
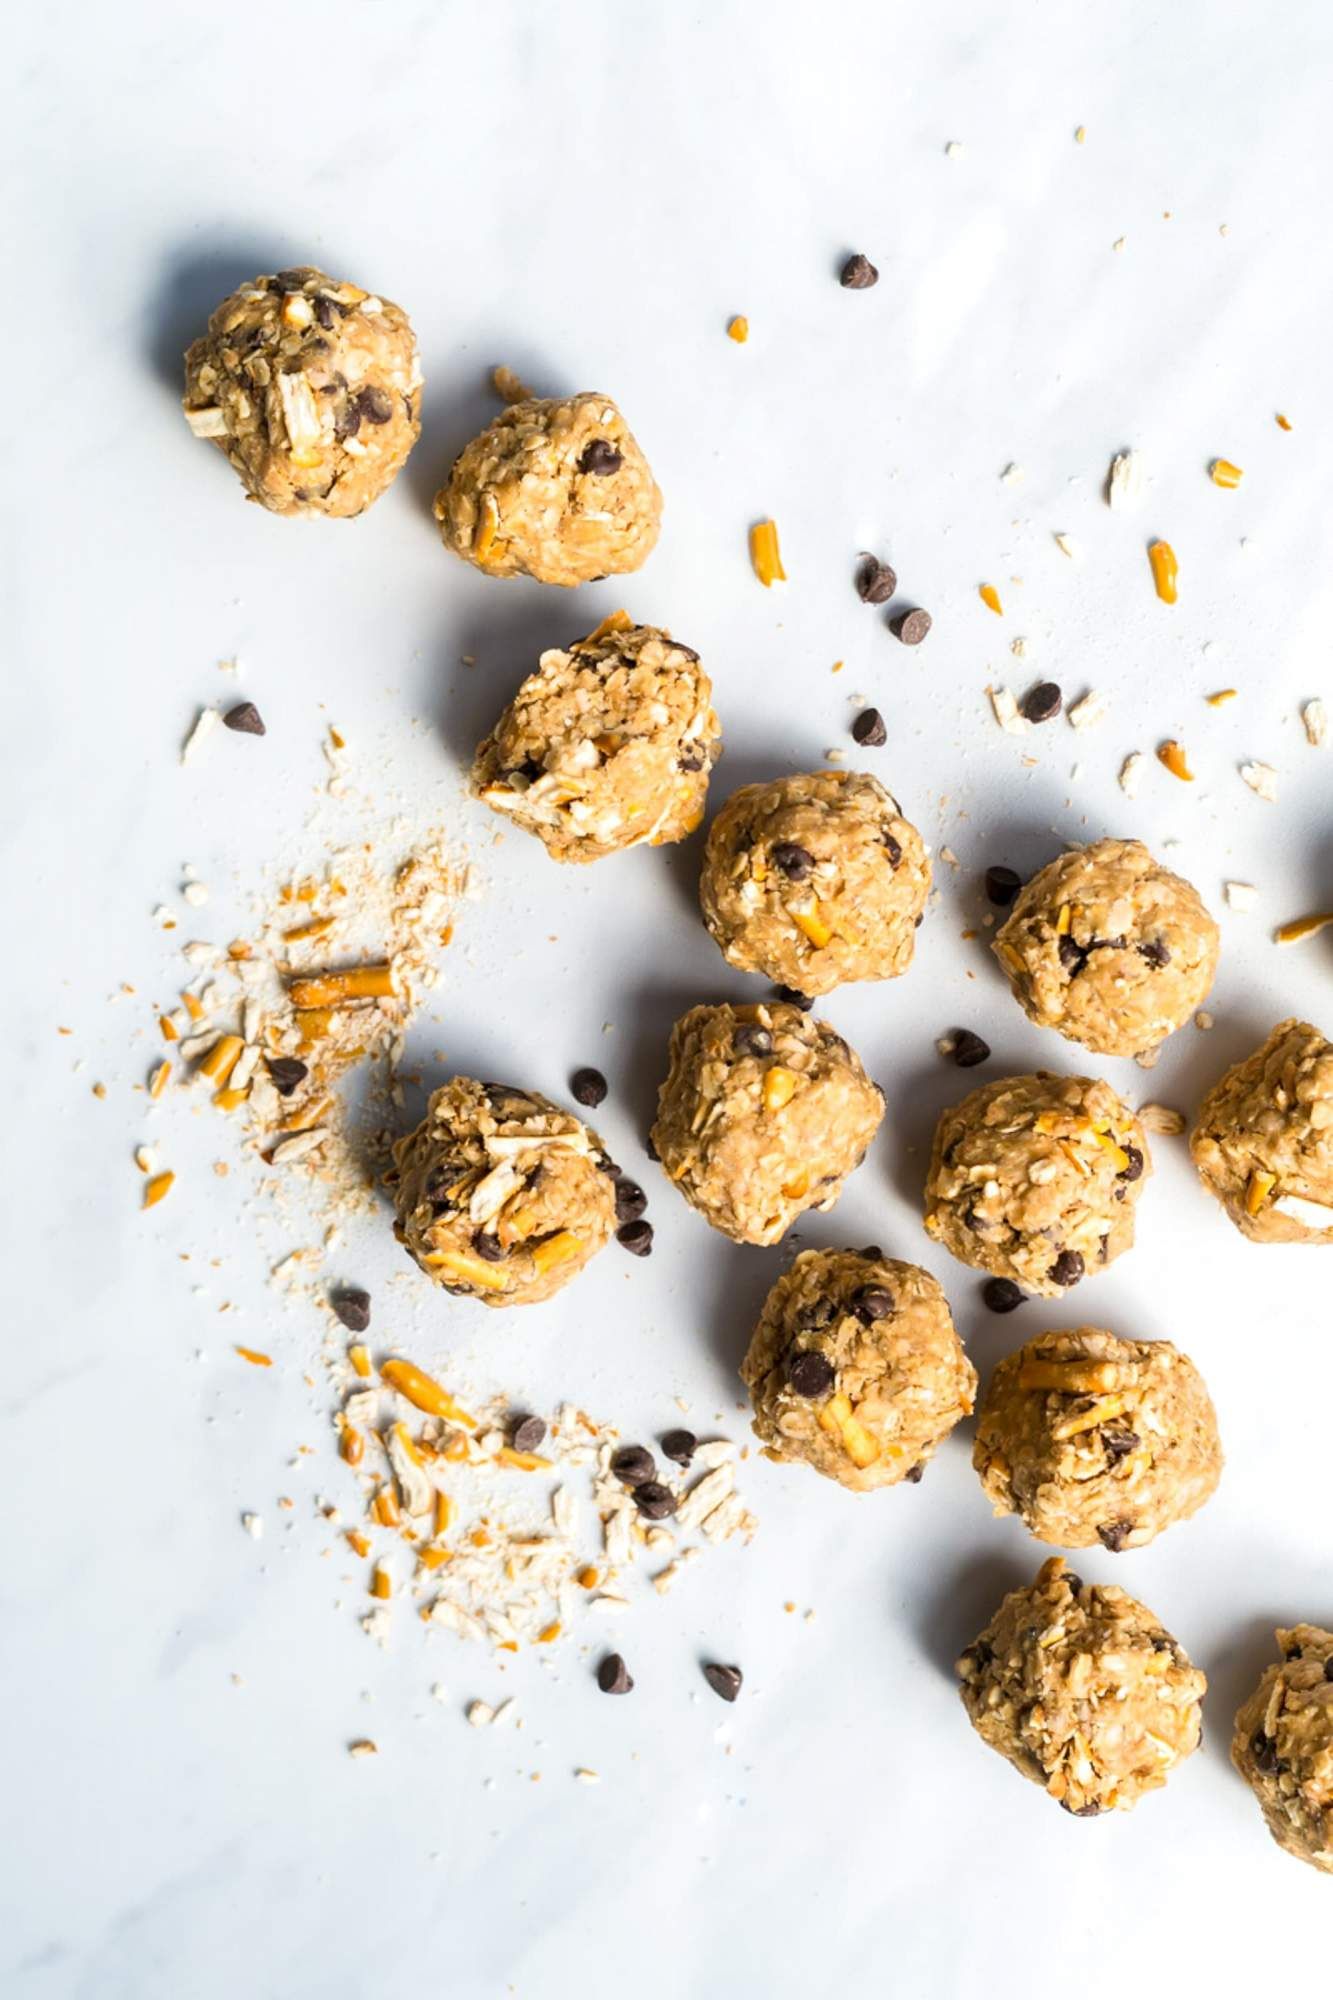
{"x":793,"y":998}
{"x":613,"y":1676}
{"x":1328,"y":1668}
{"x":1133,"y":1166}
{"x":288,"y":281}
{"x":752,"y":1041}
{"x":636,"y":1237}
{"x":1001,"y":1295}
{"x":968,"y":1049}
{"x":528,"y":1434}
{"x":1264,"y":1751}
{"x":872,"y":1302}
{"x":352,"y":1307}
{"x":910,"y":627}
{"x":795,"y":862}
{"x":1114,"y":1534}
{"x":600,"y":457}
{"x":1068,"y":1268}
{"x":724,"y":1681}
{"x":588,"y":1086}
{"x":691,"y":759}
{"x":633,"y":1465}
{"x":488,"y":1245}
{"x":375,"y":405}
{"x":1002,"y":886}
{"x":245,"y":719}
{"x":858,"y":273}
{"x":872,"y":1253}
{"x":979,"y":1655}
{"x":875,"y":581}
{"x":915,"y":1473}
{"x":324,"y":311}
{"x":1072,"y":956}
{"x":655,"y":1501}
{"x":1089,"y":1811}
{"x":1042,"y":703}
{"x":679,"y":1446}
{"x":869,"y":729}
{"x":631,"y":1200}
{"x":810,"y":1373}
{"x":650,"y":1148}
{"x":346,"y":419}
{"x":1156,"y":953}
{"x":1118,"y":1444}
{"x":894,"y":849}
{"x":286,"y":1073}
{"x":1074,"y":1580}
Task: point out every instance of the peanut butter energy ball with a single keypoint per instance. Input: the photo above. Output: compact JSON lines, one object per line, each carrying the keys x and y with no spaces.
{"x":606,"y":746}
{"x":764,"y":1114}
{"x":502,"y":1196}
{"x":1110,"y":949}
{"x":1283,"y":1746}
{"x":1264,"y":1141}
{"x":815,"y":880}
{"x":1035,"y":1179}
{"x":1090,"y":1438}
{"x":312,"y":388}
{"x":855,"y":1368}
{"x":556,"y":488}
{"x":1083,"y":1691}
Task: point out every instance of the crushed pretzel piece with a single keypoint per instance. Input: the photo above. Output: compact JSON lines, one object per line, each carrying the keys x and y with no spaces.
{"x":1165,"y":570}
{"x":1172,"y":756}
{"x":765,"y":556}
{"x":1223,"y":473}
{"x":1301,"y":928}
{"x":157,"y":1188}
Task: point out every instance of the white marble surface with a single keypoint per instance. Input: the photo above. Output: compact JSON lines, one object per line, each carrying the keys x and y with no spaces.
{"x":587,"y":193}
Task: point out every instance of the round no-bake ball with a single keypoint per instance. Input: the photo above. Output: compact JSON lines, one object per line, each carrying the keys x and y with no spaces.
{"x":1264,"y":1141}
{"x":1283,"y":1745}
{"x":1109,"y":948}
{"x":855,"y":1368}
{"x":815,"y":880}
{"x":1035,"y":1178}
{"x":764,"y":1114}
{"x":1090,"y":1438}
{"x":606,"y":746}
{"x":1084,"y":1692}
{"x":557,"y":489}
{"x":312,"y":389}
{"x":501,"y":1196}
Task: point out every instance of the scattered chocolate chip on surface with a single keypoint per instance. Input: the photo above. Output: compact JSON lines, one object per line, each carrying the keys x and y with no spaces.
{"x":352,"y":1307}
{"x":528,"y":1434}
{"x":858,"y":273}
{"x":1002,"y":1295}
{"x":245,"y":719}
{"x":630,"y":1199}
{"x":869,"y":729}
{"x":1042,"y":703}
{"x":724,"y":1681}
{"x":655,"y":1501}
{"x":588,"y":1086}
{"x":679,"y":1446}
{"x":634,"y":1465}
{"x":875,"y":581}
{"x":287,"y":1072}
{"x":910,"y":627}
{"x":1002,"y":886}
{"x":810,"y":1373}
{"x":968,"y":1049}
{"x":636,"y":1237}
{"x":613,"y":1676}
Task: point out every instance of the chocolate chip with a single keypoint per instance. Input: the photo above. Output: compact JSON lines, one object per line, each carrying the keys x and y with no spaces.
{"x":1328,"y":1668}
{"x":600,"y":457}
{"x":978,"y":1655}
{"x":724,"y":1681}
{"x":245,"y":719}
{"x":655,"y":1501}
{"x":1074,"y":1580}
{"x":691,"y":759}
{"x":288,"y":281}
{"x":633,"y":1465}
{"x":324,"y":312}
{"x":752,"y":1041}
{"x":375,"y":405}
{"x":1156,"y":953}
{"x":1001,"y":1295}
{"x":286,"y":1073}
{"x":872,"y":1253}
{"x":679,"y":1446}
{"x":1002,"y":886}
{"x":1114,"y":1534}
{"x":810,"y":1373}
{"x":488,"y":1245}
{"x":858,"y":274}
{"x":968,"y":1049}
{"x":1133,"y":1166}
{"x":352,"y":1307}
{"x":650,"y":1148}
{"x":793,"y":998}
{"x":588,"y":1086}
{"x":613,"y":1676}
{"x":1072,"y":956}
{"x":1089,"y":1811}
{"x":1068,"y":1268}
{"x":1042,"y":703}
{"x":910,"y":627}
{"x":528,"y":1434}
{"x":631,"y":1200}
{"x":636,"y":1237}
{"x":869,"y":729}
{"x":795,"y":862}
{"x":1263,"y":1749}
{"x":872,"y":1302}
{"x":915,"y":1473}
{"x":1119,"y":1444}
{"x":894,"y":849}
{"x":875,"y":581}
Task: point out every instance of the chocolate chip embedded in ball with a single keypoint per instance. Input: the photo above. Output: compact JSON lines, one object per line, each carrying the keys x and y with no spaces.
{"x":1068,"y":1268}
{"x":810,"y":1373}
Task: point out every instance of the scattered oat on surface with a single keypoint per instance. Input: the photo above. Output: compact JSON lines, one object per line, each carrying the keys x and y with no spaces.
{"x":1068,"y":546}
{"x":1131,"y":773}
{"x":1006,"y":711}
{"x":1262,"y":780}
{"x":1090,"y":709}
{"x":1125,"y":480}
{"x":1315,"y":718}
{"x":200,"y":730}
{"x":1241,"y":895}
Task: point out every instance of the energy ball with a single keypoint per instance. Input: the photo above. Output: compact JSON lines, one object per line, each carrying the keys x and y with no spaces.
{"x":855,"y":1368}
{"x":606,"y":746}
{"x":1083,"y":1691}
{"x":1283,"y":1746}
{"x":1264,"y":1141}
{"x":1109,"y":948}
{"x":815,"y":880}
{"x":1090,"y":1438}
{"x":502,"y":1196}
{"x":764,"y":1114}
{"x":1035,"y":1178}
{"x":312,"y":388}
{"x":557,"y":489}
